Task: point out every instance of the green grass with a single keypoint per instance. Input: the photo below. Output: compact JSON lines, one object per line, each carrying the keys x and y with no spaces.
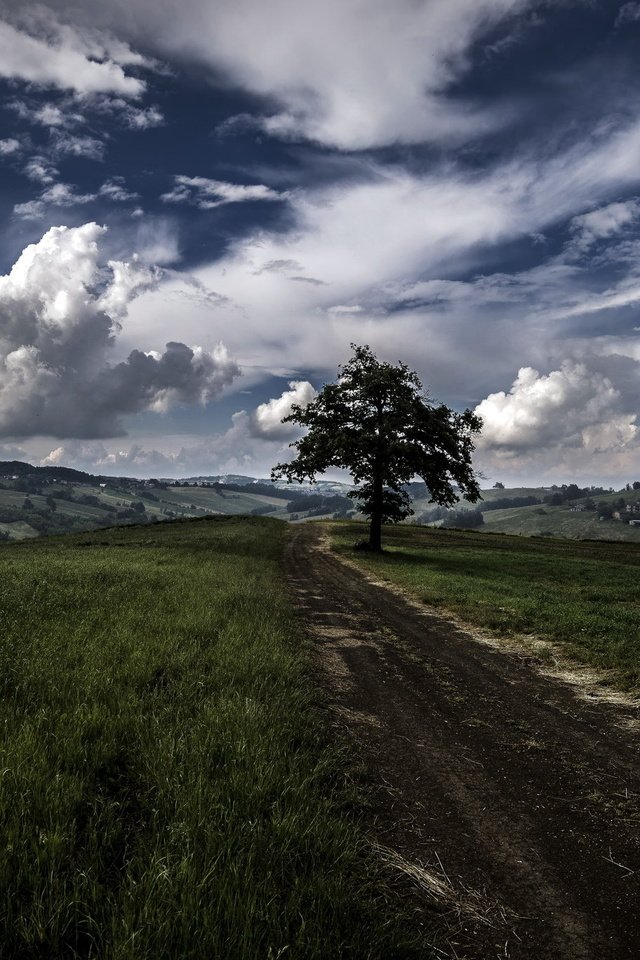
{"x":73,"y":516}
{"x":168,"y":789}
{"x":558,"y":522}
{"x":583,"y":595}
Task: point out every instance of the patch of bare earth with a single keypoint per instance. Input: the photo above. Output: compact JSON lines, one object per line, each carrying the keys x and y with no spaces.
{"x":508,"y":804}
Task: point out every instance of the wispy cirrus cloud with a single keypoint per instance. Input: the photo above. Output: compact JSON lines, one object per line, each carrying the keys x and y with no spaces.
{"x":61,"y":57}
{"x":208,"y":194}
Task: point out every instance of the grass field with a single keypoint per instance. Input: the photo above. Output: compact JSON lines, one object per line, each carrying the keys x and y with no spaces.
{"x":168,"y":789}
{"x":47,"y":513}
{"x":581,"y":595}
{"x":558,"y":522}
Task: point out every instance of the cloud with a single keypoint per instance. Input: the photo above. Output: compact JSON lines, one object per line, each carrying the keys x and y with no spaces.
{"x":95,"y":457}
{"x":255,"y":440}
{"x":142,"y":119}
{"x":10,"y":451}
{"x":266,"y":420}
{"x":345,"y":310}
{"x":61,"y":309}
{"x":603,"y":223}
{"x":132,"y":116}
{"x":41,"y":170}
{"x":570,"y":407}
{"x":351,"y":75}
{"x":279,"y":266}
{"x":65,"y":59}
{"x":115,"y":189}
{"x":207,"y":194}
{"x":57,"y":195}
{"x":628,"y":13}
{"x":64,"y":195}
{"x":72,"y":145}
{"x":30,"y":210}
{"x":251,"y":445}
{"x":8,"y":147}
{"x":367,"y":244}
{"x":50,"y":115}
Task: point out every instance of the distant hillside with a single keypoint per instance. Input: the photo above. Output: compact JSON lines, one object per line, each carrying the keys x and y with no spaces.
{"x":43,"y":500}
{"x":560,"y":511}
{"x":37,"y":501}
{"x":17,"y":468}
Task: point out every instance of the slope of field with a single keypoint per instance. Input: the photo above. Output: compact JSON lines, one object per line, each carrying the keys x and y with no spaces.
{"x":31,"y":505}
{"x":540,"y":519}
{"x":168,"y":790}
{"x":582,"y":595}
{"x":546,"y":521}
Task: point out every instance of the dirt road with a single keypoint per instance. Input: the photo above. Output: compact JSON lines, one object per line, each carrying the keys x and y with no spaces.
{"x":503,"y":795}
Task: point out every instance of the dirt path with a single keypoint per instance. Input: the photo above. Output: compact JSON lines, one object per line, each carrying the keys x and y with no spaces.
{"x":501,"y":792}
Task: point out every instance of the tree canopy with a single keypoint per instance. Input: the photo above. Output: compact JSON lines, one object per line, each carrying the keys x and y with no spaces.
{"x":377,"y":422}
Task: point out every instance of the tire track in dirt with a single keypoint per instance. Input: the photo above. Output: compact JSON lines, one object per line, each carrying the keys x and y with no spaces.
{"x":520,"y":801}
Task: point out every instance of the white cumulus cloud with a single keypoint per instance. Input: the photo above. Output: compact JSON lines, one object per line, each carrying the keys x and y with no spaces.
{"x":570,"y":407}
{"x":266,"y":420}
{"x":60,"y":311}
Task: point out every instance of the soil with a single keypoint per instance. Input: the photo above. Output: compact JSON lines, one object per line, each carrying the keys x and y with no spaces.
{"x":498,"y":793}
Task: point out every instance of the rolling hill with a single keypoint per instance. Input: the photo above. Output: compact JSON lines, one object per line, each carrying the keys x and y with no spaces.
{"x":48,"y":500}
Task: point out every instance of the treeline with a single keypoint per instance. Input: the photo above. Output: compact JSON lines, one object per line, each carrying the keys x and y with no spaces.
{"x":506,"y":503}
{"x":467,"y":519}
{"x":571,"y":491}
{"x":18,"y":468}
{"x":472,"y":517}
{"x":262,"y":489}
{"x":317,"y":504}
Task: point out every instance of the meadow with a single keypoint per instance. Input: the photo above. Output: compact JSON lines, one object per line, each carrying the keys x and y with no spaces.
{"x":169,"y":786}
{"x":581,"y":595}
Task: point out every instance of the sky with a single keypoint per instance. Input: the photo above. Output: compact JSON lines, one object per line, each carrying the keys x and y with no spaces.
{"x":203,"y":205}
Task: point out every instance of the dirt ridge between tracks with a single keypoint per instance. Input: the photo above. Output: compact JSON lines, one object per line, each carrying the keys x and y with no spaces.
{"x":497,"y":792}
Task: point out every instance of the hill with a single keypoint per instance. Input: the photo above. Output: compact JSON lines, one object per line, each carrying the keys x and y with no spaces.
{"x":49,"y":500}
{"x":567,"y":511}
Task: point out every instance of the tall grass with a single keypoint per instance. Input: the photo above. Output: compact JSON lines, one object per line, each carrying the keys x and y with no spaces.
{"x":166,"y":787}
{"x":583,"y":595}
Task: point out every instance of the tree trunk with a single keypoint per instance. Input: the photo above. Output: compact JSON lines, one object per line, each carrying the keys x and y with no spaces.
{"x":375,"y":527}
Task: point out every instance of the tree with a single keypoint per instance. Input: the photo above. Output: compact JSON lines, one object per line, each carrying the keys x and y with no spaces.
{"x":377,"y":423}
{"x":467,"y":519}
{"x":498,"y":486}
